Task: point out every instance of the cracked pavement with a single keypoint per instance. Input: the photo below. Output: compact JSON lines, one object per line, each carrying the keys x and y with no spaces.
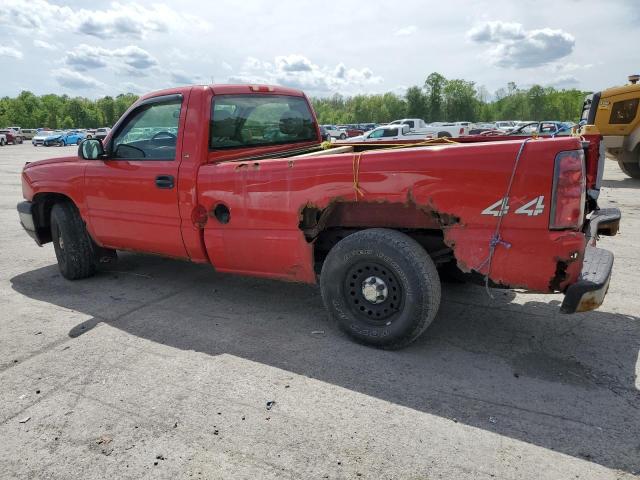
{"x":161,"y":369}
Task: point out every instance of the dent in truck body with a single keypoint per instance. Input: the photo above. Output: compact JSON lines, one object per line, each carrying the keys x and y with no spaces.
{"x":440,"y":188}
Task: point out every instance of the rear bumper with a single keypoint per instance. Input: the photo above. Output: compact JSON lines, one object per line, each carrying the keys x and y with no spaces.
{"x":25,"y":212}
{"x":589,"y":291}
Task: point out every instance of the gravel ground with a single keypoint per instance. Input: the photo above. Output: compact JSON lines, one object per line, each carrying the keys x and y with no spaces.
{"x":161,"y":369}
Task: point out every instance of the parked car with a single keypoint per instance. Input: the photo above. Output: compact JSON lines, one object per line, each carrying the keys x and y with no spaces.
{"x":28,"y":133}
{"x":543,"y":128}
{"x":335,"y":132}
{"x":55,"y":138}
{"x":505,"y":126}
{"x":3,"y":139}
{"x":324,"y":134}
{"x":11,"y":136}
{"x":352,"y":130}
{"x":40,"y":137}
{"x":101,"y":133}
{"x":366,"y":127}
{"x":91,"y":132}
{"x":390,"y":132}
{"x":74,"y":137}
{"x":372,"y":228}
{"x":438,"y":129}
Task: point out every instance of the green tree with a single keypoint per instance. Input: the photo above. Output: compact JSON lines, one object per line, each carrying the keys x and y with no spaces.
{"x":67,"y":123}
{"x":434,"y":86}
{"x":416,"y":103}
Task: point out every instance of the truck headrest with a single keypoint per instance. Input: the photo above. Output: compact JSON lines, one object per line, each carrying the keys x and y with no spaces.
{"x":291,"y":122}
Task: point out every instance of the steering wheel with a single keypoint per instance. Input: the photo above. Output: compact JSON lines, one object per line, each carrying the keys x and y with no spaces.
{"x":163,"y":133}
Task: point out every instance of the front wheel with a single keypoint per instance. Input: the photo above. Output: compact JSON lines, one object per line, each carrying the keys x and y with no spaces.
{"x":629,"y":162}
{"x":381,"y":287}
{"x":73,"y":246}
{"x":1,"y":142}
{"x":61,"y":143}
{"x":342,"y":136}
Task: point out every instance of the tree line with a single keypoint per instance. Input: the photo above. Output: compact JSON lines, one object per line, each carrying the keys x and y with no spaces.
{"x":61,"y":111}
{"x":443,"y":100}
{"x":438,"y":99}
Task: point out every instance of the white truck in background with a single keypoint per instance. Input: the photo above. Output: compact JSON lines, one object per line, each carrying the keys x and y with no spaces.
{"x":390,"y":132}
{"x":439,"y":130}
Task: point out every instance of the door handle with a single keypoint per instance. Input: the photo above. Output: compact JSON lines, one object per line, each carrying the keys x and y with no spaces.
{"x":165,"y":181}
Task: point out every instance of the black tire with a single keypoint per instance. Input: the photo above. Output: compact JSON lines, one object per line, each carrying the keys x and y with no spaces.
{"x":79,"y":141}
{"x":20,"y":140}
{"x":629,"y":162}
{"x":1,"y":142}
{"x":444,"y":135}
{"x":73,"y":246}
{"x":343,"y":136}
{"x":398,"y":269}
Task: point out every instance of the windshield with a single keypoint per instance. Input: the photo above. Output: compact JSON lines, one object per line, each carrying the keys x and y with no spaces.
{"x":239,"y":121}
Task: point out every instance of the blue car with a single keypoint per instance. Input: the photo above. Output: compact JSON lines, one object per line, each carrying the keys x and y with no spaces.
{"x":60,"y":138}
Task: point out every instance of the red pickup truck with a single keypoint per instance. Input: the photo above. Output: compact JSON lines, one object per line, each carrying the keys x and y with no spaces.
{"x":235,"y":176}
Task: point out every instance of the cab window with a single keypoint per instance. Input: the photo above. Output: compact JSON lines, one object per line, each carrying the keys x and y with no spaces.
{"x":240,"y":121}
{"x":149,"y":133}
{"x":389,"y":132}
{"x":624,"y":111}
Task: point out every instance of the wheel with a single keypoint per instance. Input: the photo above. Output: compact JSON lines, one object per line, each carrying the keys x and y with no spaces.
{"x":381,"y":287}
{"x":629,"y":162}
{"x":444,"y":135}
{"x":1,"y":142}
{"x":73,"y":246}
{"x":20,"y":140}
{"x":343,"y":136}
{"x":61,"y":143}
{"x":79,"y":141}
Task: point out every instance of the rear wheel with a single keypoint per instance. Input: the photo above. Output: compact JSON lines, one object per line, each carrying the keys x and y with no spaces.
{"x":381,"y":287}
{"x":629,"y":162}
{"x":73,"y":246}
{"x":444,"y":135}
{"x":343,"y":136}
{"x":1,"y":142}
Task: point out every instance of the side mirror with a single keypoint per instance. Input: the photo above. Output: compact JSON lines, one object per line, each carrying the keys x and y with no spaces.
{"x":91,"y":149}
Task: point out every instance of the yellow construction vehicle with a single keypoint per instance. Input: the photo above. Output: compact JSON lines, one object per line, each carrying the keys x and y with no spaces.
{"x":614,"y":112}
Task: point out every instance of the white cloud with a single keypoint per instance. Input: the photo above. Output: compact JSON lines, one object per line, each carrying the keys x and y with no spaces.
{"x":564,"y":81}
{"x":44,"y":45}
{"x":131,"y":59}
{"x":120,"y":20}
{"x":183,"y":78}
{"x":298,"y":71}
{"x":406,"y":31}
{"x":74,"y":80}
{"x":515,"y":47}
{"x":6,"y":51}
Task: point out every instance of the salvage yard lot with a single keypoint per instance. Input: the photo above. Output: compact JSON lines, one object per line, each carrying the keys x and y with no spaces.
{"x":162,"y":369}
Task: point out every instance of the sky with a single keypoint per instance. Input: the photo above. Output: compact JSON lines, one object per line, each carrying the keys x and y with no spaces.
{"x":98,"y":48}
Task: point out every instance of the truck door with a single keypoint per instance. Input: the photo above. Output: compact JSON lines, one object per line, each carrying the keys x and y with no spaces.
{"x":132,"y":195}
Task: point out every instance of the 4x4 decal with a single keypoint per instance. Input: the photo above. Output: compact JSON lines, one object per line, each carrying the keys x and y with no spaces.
{"x":531,"y":208}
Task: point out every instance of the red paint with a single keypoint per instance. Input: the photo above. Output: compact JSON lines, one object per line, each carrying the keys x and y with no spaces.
{"x":401,"y":188}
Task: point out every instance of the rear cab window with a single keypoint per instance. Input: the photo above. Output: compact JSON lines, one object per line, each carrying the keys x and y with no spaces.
{"x":242,"y":121}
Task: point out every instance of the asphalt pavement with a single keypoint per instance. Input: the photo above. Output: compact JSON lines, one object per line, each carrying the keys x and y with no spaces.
{"x":156,"y":368}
